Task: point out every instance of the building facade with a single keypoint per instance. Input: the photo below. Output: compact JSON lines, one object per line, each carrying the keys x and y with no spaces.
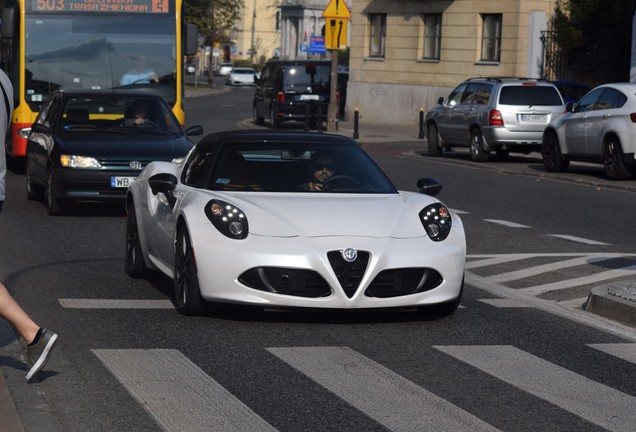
{"x":257,"y":33}
{"x":405,"y":54}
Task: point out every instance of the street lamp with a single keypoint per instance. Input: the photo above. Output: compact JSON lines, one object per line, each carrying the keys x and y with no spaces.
{"x":253,"y":29}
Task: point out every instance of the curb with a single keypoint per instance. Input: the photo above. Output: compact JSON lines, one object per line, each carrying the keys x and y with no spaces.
{"x":615,"y":301}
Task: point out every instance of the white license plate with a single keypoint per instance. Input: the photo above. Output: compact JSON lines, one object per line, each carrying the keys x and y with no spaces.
{"x":534,"y":118}
{"x":309,"y":97}
{"x":121,"y":182}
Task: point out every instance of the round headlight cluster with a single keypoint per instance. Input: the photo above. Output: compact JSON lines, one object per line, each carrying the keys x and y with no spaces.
{"x":436,"y":220}
{"x":227,"y":218}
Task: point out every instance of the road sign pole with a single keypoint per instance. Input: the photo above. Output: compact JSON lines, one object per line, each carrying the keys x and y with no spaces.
{"x":332,"y":110}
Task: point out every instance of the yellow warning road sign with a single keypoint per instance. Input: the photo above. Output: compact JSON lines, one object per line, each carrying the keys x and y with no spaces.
{"x":336,"y":33}
{"x":337,"y":9}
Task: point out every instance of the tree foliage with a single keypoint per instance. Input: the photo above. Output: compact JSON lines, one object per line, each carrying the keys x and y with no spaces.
{"x":215,"y":19}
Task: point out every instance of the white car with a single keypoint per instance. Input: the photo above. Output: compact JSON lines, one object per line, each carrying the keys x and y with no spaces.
{"x":600,"y":128}
{"x":234,"y":223}
{"x":241,"y":76}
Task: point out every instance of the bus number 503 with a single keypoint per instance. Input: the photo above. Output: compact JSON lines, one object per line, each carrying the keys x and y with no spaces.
{"x":44,"y":5}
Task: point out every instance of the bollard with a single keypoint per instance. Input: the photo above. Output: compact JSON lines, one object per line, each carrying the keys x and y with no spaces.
{"x":319,"y":119}
{"x":356,"y":116}
{"x":307,"y":114}
{"x":421,"y":135}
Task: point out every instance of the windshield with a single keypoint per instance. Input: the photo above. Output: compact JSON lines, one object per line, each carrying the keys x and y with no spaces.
{"x":99,"y":52}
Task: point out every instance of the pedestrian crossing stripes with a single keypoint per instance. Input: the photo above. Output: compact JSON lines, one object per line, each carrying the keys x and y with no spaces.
{"x":181,"y":396}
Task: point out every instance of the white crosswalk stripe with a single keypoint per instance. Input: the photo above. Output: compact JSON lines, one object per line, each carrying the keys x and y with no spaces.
{"x":590,"y":400}
{"x":388,"y":398}
{"x":177,"y":393}
{"x":180,"y":396}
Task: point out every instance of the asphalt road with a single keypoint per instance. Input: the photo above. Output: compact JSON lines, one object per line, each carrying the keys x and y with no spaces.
{"x":518,"y":355}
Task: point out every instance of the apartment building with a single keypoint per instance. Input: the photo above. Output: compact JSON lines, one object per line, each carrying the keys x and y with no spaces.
{"x":405,"y":54}
{"x":258,"y":28}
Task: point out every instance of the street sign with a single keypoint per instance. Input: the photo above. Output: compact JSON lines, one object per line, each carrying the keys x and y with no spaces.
{"x":336,"y":33}
{"x":317,"y":45}
{"x":337,"y":9}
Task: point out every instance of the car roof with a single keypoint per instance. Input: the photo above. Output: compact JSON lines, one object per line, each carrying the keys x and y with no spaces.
{"x":265,"y":136}
{"x":514,"y":80}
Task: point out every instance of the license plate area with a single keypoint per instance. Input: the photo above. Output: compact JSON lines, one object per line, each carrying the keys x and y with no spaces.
{"x":534,"y":118}
{"x":309,"y":97}
{"x":119,"y":182}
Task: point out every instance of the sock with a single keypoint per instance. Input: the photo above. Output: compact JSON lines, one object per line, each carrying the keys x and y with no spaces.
{"x":37,"y":337}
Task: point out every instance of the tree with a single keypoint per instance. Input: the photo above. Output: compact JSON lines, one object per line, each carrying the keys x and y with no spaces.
{"x":215,"y":19}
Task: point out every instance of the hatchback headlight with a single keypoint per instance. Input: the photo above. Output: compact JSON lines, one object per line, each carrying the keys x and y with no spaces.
{"x":227,"y":218}
{"x":436,"y":220}
{"x":71,"y":161}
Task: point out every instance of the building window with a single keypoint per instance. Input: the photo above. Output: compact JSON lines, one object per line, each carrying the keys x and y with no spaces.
{"x":378,"y":35}
{"x":491,"y":37}
{"x":432,"y":36}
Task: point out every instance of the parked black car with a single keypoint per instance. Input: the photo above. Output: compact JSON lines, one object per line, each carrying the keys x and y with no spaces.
{"x":89,"y":146}
{"x":291,"y":89}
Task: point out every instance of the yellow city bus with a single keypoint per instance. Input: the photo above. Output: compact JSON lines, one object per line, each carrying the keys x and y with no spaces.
{"x":91,"y":44}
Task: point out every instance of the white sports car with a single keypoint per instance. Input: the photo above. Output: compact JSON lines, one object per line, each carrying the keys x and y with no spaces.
{"x":278,"y":219}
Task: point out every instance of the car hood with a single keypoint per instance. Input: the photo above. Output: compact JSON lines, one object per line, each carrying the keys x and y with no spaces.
{"x":140,"y":146}
{"x":314,"y":215}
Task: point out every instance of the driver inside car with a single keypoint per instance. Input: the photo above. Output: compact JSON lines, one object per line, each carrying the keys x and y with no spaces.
{"x":322,"y":168}
{"x":139,"y":74}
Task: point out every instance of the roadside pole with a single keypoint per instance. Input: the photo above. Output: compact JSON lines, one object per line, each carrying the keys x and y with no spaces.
{"x":337,"y":16}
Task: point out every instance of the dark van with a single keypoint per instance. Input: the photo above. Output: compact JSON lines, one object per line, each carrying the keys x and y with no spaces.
{"x":287,"y":87}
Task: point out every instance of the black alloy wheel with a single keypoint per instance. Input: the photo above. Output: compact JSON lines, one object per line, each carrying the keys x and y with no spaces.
{"x":613,"y":161}
{"x":188,"y":300}
{"x":553,"y":160}
{"x":134,"y":265}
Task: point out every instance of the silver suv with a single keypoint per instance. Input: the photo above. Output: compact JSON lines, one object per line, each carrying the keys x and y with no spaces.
{"x":501,"y":114}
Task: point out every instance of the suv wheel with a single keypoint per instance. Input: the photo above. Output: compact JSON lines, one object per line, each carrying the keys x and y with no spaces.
{"x":551,"y":153}
{"x":274,"y":123}
{"x":613,"y":162}
{"x":477,"y":152}
{"x":433,"y":141}
{"x":257,"y":119}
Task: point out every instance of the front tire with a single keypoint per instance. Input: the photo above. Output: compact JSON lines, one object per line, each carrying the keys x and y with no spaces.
{"x":187,"y":293}
{"x":551,"y":153}
{"x":34,"y":193}
{"x":432,"y":137}
{"x":477,"y":152}
{"x":613,"y":160}
{"x":134,"y":265}
{"x":52,"y":204}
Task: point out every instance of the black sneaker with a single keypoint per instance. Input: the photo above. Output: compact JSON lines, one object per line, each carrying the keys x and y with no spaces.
{"x":38,"y":354}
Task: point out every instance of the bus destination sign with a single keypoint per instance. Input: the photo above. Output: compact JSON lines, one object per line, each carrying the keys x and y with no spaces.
{"x":123,"y":6}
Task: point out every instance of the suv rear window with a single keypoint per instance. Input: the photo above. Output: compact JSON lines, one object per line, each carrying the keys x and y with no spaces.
{"x":529,"y":95}
{"x":307,"y":74}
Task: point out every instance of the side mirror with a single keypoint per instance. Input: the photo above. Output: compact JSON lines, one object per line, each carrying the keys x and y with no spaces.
{"x":440,"y":101}
{"x":569,"y":107}
{"x":194,"y":130}
{"x":40,"y":128}
{"x":429,"y":186}
{"x":164,"y":183}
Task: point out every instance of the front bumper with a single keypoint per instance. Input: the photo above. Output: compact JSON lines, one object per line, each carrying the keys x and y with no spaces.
{"x":78,"y":185}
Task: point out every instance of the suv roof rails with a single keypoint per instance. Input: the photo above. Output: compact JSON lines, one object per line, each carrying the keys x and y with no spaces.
{"x":500,"y":78}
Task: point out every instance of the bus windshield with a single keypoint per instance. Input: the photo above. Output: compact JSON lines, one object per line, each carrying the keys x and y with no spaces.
{"x":98,"y":52}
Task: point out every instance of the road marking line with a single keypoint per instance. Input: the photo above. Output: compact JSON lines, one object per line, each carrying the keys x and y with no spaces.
{"x":507,"y":223}
{"x":623,"y":351}
{"x":488,"y":260}
{"x":388,"y":398}
{"x":583,"y":280}
{"x":115,"y":304}
{"x":545,"y":268}
{"x":579,"y":239}
{"x":595,"y":402}
{"x":177,"y":393}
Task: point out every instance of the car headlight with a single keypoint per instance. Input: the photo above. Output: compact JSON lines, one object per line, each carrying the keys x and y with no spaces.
{"x":436,"y":220}
{"x":227,"y":218}
{"x":70,"y":161}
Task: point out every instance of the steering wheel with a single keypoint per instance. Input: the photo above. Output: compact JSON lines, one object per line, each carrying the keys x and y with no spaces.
{"x":341,"y":182}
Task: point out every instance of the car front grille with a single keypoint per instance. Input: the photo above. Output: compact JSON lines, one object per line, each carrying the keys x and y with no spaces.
{"x":349,"y":274}
{"x":288,"y":281}
{"x":403,"y":281}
